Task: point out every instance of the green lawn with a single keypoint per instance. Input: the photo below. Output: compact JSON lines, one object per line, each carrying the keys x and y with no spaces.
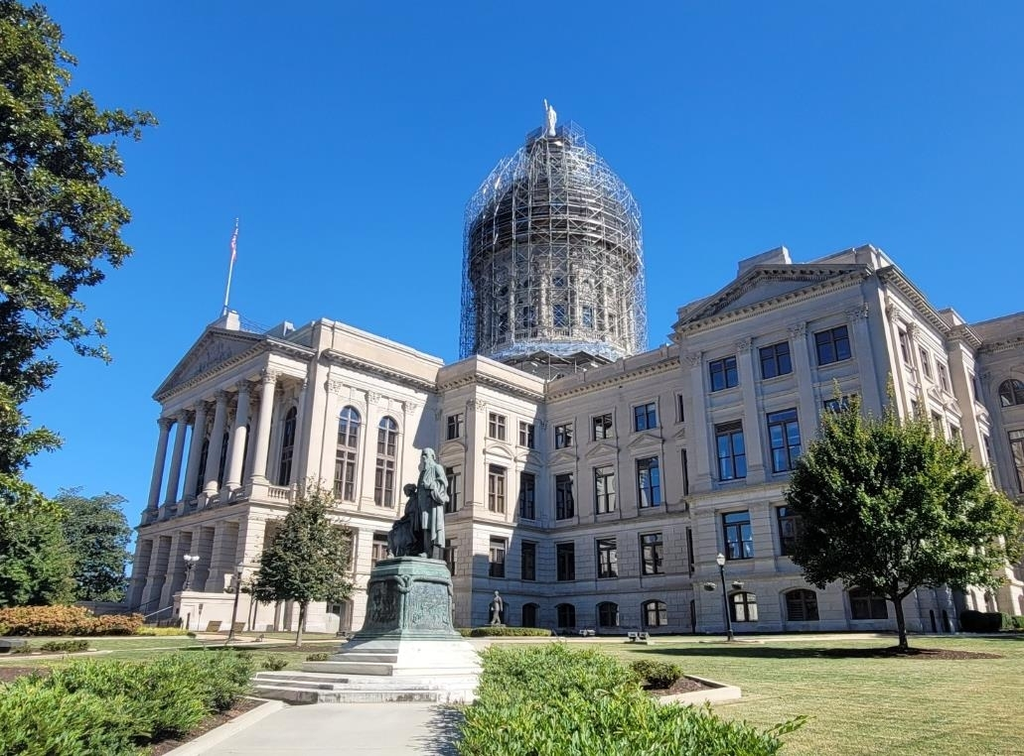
{"x":861,"y":705}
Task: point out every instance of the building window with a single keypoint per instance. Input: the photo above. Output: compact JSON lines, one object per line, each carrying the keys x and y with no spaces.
{"x":345,"y":455}
{"x":645,"y":417}
{"x":607,"y":614}
{"x":838,"y":404}
{"x":588,"y":316}
{"x":528,"y":560}
{"x":602,"y":426}
{"x":530,"y":612}
{"x":607,"y":558}
{"x":866,"y":606}
{"x":904,"y":346}
{"x":565,"y":561}
{"x":743,"y":606}
{"x":450,"y":555}
{"x":204,"y":450}
{"x":684,"y":465}
{"x":775,"y":360}
{"x":790,"y":526}
{"x":560,"y":316}
{"x":285,"y":476}
{"x":832,"y":345}
{"x":454,"y":489}
{"x":604,"y":489}
{"x":496,"y":557}
{"x":284,"y":468}
{"x":454,"y":426}
{"x":723,"y":373}
{"x":955,"y":435}
{"x":563,"y":435}
{"x":526,"y":434}
{"x":565,"y":505}
{"x":784,"y":436}
{"x":384,"y":477}
{"x":648,"y":482}
{"x":1017,"y":453}
{"x":496,"y":489}
{"x":655,"y":613}
{"x":527,"y":496}
{"x":943,"y":373}
{"x":732,"y":453}
{"x":680,"y":408}
{"x":379,"y":549}
{"x":566,"y":614}
{"x":650,"y":554}
{"x":937,"y":426}
{"x":739,"y":537}
{"x":1011,"y":392}
{"x":801,"y":606}
{"x":496,"y":426}
{"x":926,"y":364}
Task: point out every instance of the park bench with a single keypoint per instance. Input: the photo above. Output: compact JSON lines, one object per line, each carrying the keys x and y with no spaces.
{"x":638,"y":637}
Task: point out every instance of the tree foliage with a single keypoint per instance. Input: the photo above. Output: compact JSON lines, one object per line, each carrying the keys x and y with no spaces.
{"x":889,"y":505}
{"x":308,"y":559}
{"x":35,"y":561}
{"x":97,"y":533}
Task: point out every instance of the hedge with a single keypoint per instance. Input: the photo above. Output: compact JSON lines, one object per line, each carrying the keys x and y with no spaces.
{"x":509,"y":632}
{"x":65,"y":620}
{"x":656,"y":674}
{"x":972,"y":621}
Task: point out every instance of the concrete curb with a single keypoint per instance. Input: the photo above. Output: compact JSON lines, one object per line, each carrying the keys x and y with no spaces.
{"x":716,"y":692}
{"x":216,"y":736}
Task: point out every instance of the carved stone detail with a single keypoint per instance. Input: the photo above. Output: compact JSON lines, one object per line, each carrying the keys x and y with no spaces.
{"x":269,"y":376}
{"x":476,"y":404}
{"x":857,"y":313}
{"x":693,"y":358}
{"x":165,"y":423}
{"x":335,"y":388}
{"x":744,"y":345}
{"x":798,"y":330}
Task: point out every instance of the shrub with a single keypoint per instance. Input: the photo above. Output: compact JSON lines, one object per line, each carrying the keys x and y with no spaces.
{"x":521,"y":632}
{"x":66,"y":620}
{"x":162,"y":631}
{"x":320,"y":656}
{"x":980,"y":622}
{"x":1017,"y":621}
{"x":26,"y":649}
{"x":69,"y":646}
{"x":275,"y":663}
{"x":656,"y":674}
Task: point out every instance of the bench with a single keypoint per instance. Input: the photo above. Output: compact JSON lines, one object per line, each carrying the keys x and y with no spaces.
{"x":638,"y":637}
{"x":7,"y":645}
{"x":213,"y":626}
{"x":586,"y":632}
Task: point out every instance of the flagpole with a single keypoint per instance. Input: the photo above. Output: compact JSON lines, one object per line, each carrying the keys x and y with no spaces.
{"x":231,"y":268}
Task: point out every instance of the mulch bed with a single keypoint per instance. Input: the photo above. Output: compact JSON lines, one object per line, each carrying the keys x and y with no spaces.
{"x":894,"y":652}
{"x":211,"y":722}
{"x":682,"y":685}
{"x":9,"y":673}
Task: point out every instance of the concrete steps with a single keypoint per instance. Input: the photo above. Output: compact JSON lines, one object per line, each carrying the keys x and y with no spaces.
{"x":317,"y":687}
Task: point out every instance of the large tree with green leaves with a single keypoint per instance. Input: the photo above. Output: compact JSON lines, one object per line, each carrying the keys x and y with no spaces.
{"x":35,"y":562}
{"x":97,"y":534}
{"x":308,"y":559}
{"x":890,"y":505}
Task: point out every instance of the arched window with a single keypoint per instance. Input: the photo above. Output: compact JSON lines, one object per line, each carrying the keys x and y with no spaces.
{"x":530,"y":612}
{"x":345,"y":457}
{"x":284,"y":469}
{"x":865,"y":605}
{"x":566,"y":614}
{"x":1011,"y":392}
{"x":655,"y":613}
{"x":801,"y":605}
{"x":387,"y":450}
{"x":743,"y":606}
{"x":607,"y":614}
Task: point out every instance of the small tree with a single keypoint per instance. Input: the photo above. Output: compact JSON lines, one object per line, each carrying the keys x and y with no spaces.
{"x":889,"y":505}
{"x":35,"y":561}
{"x":308,"y":558}
{"x":97,"y":533}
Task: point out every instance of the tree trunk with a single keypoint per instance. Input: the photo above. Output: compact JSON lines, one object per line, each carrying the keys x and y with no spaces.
{"x":302,"y":623}
{"x":901,"y":622}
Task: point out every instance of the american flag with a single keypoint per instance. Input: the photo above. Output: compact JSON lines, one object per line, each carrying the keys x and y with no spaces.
{"x":234,"y":243}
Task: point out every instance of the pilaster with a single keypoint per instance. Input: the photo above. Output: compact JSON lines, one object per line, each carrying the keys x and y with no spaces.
{"x":158,"y":463}
{"x":174,"y":476}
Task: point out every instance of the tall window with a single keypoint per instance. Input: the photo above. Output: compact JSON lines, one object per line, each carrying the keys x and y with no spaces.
{"x":454,"y":426}
{"x":684,"y":464}
{"x":204,"y":449}
{"x":789,"y":529}
{"x":723,"y":373}
{"x":655,"y":613}
{"x":648,"y":482}
{"x":832,"y":345}
{"x":496,"y":489}
{"x":527,"y":496}
{"x":222,"y":465}
{"x":563,"y":435}
{"x":450,"y":555}
{"x":604,"y":489}
{"x":680,"y":408}
{"x":496,"y":426}
{"x":943,"y":374}
{"x":607,"y":614}
{"x":565,"y":561}
{"x":602,"y":426}
{"x":530,"y":612}
{"x":565,"y":505}
{"x":1011,"y":392}
{"x":801,"y":606}
{"x":743,"y":606}
{"x":926,"y":363}
{"x":387,"y":451}
{"x":775,"y":360}
{"x":528,"y":567}
{"x":526,"y":434}
{"x":732,"y":453}
{"x":379,"y":549}
{"x":651,"y":554}
{"x":866,"y":606}
{"x":645,"y":416}
{"x":560,"y":316}
{"x":784,"y":436}
{"x":607,"y":558}
{"x":588,"y":316}
{"x":496,"y":557}
{"x":345,"y":454}
{"x":566,"y":614}
{"x":739,"y":537}
{"x":284,"y":469}
{"x":904,"y":346}
{"x":454,"y":489}
{"x":1017,"y":453}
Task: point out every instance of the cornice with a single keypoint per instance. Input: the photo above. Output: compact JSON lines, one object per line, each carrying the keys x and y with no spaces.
{"x":341,"y":359}
{"x":1006,"y":345}
{"x":656,"y":368}
{"x":902,"y":284}
{"x":483,"y":379}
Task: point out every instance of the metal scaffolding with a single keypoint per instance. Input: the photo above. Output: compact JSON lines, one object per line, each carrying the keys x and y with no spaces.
{"x":553,"y":268}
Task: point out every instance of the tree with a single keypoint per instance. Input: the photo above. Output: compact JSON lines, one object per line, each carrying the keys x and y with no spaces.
{"x":307,"y":559}
{"x":97,"y":534}
{"x":890,"y":506}
{"x":35,"y":561}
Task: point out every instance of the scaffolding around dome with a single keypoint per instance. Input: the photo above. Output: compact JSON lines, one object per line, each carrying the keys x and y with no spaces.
{"x":553,"y":257}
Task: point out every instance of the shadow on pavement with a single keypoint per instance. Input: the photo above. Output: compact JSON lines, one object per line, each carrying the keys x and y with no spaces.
{"x":443,"y":729}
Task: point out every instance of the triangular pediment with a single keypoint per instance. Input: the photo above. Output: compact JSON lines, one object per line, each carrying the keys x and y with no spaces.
{"x":644,"y":439}
{"x":600,"y":449}
{"x":562,"y":456}
{"x":214,"y":348}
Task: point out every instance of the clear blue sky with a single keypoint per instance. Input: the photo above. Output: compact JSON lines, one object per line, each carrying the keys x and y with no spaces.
{"x":348,"y":137}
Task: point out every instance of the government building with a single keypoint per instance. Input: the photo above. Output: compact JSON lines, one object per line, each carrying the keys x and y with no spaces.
{"x":593,"y":482}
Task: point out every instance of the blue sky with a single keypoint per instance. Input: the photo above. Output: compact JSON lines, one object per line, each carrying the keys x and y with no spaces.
{"x":349,"y":136}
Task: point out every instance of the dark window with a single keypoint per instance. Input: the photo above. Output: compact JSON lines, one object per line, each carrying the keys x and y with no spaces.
{"x":904,"y":346}
{"x":284,"y":469}
{"x":496,"y":558}
{"x":450,"y":554}
{"x":680,"y":409}
{"x":563,"y":435}
{"x":790,"y":527}
{"x":739,"y":537}
{"x":655,"y":613}
{"x":832,"y":345}
{"x":723,"y":373}
{"x":285,"y":477}
{"x":648,"y":482}
{"x":732,"y":453}
{"x":775,"y":360}
{"x":684,"y":464}
{"x":743,"y":606}
{"x":926,"y":363}
{"x":607,"y":614}
{"x":345,"y":455}
{"x":379,"y":550}
{"x":526,"y":437}
{"x":650,"y":554}
{"x":530,"y":612}
{"x":866,"y":606}
{"x":566,"y":614}
{"x":607,"y":558}
{"x":454,"y":489}
{"x":645,"y":417}
{"x":1016,"y":438}
{"x":801,"y":606}
{"x":602,"y":425}
{"x":496,"y":489}
{"x":604,"y":489}
{"x":528,"y":570}
{"x":943,"y":374}
{"x":784,"y":436}
{"x":565,"y":505}
{"x":565,"y":561}
{"x":527,"y":496}
{"x":204,"y":450}
{"x":387,"y":437}
{"x":454,"y":426}
{"x":1011,"y":392}
{"x":384,"y":475}
{"x":560,"y":316}
{"x":838,"y":404}
{"x":690,"y":563}
{"x":496,"y":426}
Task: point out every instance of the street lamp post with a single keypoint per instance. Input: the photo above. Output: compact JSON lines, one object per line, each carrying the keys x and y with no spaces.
{"x":234,"y":609}
{"x":720,"y":560}
{"x":190,"y":564}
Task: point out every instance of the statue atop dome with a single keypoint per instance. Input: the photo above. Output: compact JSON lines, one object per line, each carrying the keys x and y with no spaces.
{"x":551,"y":117}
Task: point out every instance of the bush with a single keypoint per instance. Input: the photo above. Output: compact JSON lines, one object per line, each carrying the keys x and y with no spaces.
{"x":69,"y":647}
{"x":162,"y":631}
{"x":656,"y":674}
{"x":552,"y":700}
{"x":980,"y":622}
{"x":275,"y":663}
{"x":66,"y":620}
{"x":497,"y":632}
{"x":320,"y":656}
{"x":1017,"y":621}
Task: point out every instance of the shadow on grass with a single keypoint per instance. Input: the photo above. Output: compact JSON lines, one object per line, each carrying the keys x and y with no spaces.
{"x":743,"y":650}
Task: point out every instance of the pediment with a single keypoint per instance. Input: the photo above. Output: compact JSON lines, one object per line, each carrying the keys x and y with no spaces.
{"x":600,"y":449}
{"x":214,"y":348}
{"x":499,"y":450}
{"x":680,"y":434}
{"x":562,"y":456}
{"x":452,"y":450}
{"x":644,"y":439}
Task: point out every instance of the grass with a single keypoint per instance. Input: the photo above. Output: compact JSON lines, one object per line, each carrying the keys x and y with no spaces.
{"x":859,"y":705}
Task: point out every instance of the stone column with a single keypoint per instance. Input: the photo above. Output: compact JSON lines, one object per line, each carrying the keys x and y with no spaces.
{"x":195,"y":451}
{"x":756,"y":469}
{"x":239,"y":436}
{"x":216,"y":443}
{"x":174,"y":476}
{"x":263,"y":423}
{"x":302,"y":442}
{"x":140,"y":571}
{"x":807,"y":413}
{"x":700,"y":447}
{"x":158,"y":463}
{"x":861,"y":338}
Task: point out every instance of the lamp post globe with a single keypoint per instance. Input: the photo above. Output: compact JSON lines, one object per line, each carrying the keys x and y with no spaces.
{"x":720,"y":561}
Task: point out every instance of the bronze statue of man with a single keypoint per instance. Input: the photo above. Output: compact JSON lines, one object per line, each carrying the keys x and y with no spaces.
{"x":431,"y":496}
